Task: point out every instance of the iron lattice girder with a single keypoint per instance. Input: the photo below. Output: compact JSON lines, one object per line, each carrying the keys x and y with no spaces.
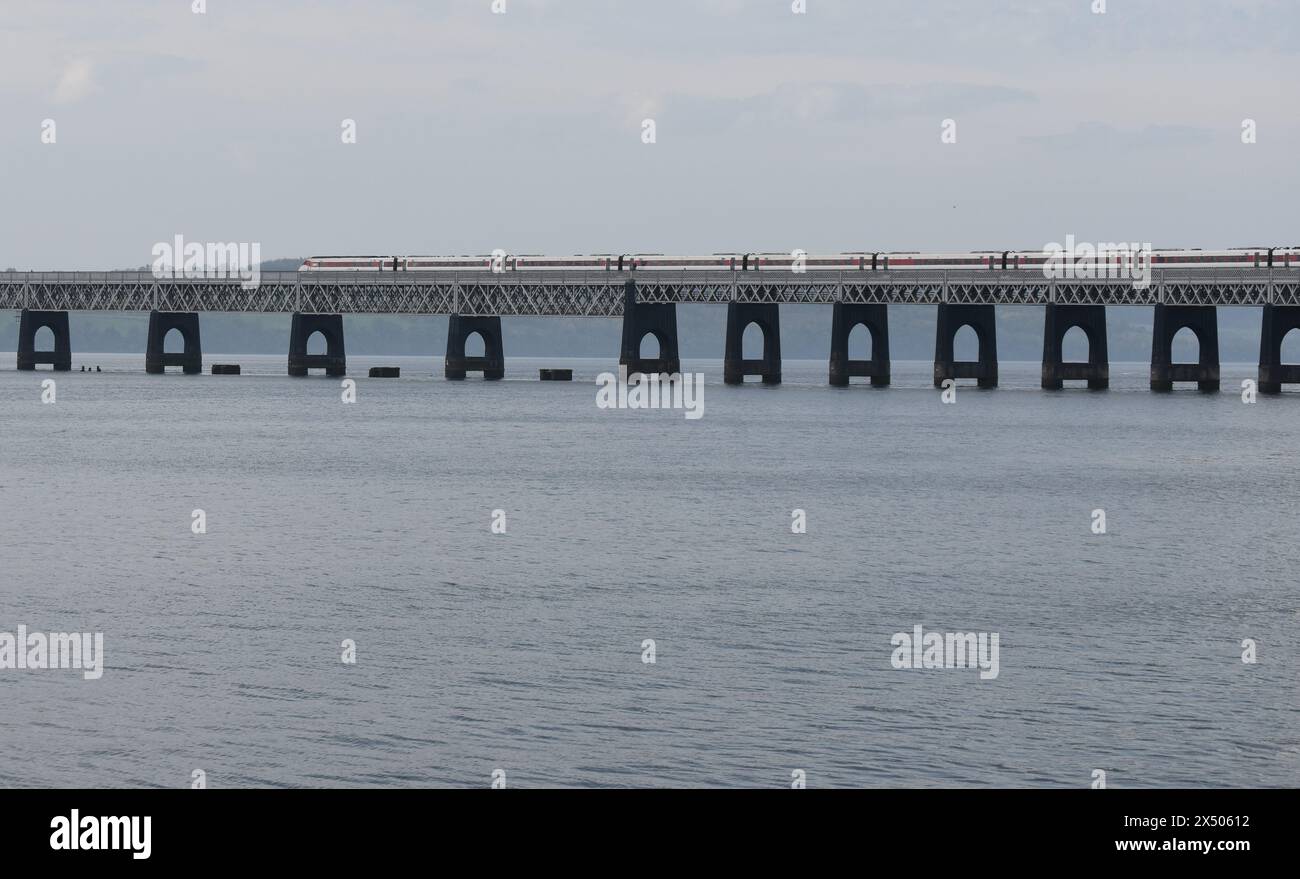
{"x":600,"y":294}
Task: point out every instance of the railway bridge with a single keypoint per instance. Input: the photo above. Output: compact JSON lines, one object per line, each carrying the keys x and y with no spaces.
{"x":647,"y":301}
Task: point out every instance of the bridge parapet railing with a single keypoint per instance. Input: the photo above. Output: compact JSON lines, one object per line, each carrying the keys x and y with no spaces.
{"x":1285,"y":289}
{"x":1222,"y":286}
{"x":1103,"y":291}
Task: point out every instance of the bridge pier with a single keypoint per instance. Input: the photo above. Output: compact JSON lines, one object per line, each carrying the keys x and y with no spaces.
{"x":493,"y":362}
{"x":1060,"y":319}
{"x":1203,"y":320}
{"x":979,"y":318}
{"x":28,"y":324}
{"x":843,"y":320}
{"x":641,"y":320}
{"x":767,"y":317}
{"x":1273,"y":373}
{"x":156,"y":358}
{"x":333,"y":361}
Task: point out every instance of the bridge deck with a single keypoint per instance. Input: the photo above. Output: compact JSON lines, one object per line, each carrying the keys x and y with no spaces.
{"x":600,"y":294}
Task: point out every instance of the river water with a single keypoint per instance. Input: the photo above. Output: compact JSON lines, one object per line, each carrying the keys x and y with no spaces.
{"x":525,"y":651}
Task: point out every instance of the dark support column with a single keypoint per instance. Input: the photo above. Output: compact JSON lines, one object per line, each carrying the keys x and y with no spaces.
{"x":31,"y":321}
{"x":1202,"y":320}
{"x":1059,"y":321}
{"x":156,"y":359}
{"x":1273,"y":373}
{"x":493,"y":362}
{"x":768,"y":319}
{"x":334,"y":361}
{"x":876,"y":319}
{"x":640,"y":320}
{"x":979,"y":318}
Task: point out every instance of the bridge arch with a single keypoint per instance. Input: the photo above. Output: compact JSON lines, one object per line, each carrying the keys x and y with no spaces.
{"x":1088,"y":322}
{"x":951,"y":319}
{"x":303,"y":329}
{"x":1076,"y":345}
{"x":650,"y":345}
{"x":845,"y":321}
{"x":164,"y":328}
{"x":753,"y":340}
{"x":475,"y":344}
{"x":1290,"y":346}
{"x":59,"y":354}
{"x":861,"y":341}
{"x":757,"y":321}
{"x":174,"y":342}
{"x":1203,"y":321}
{"x":1279,"y":348}
{"x":487,"y":333}
{"x":966,"y":343}
{"x":1186,"y":342}
{"x":43,"y":340}
{"x":640,"y":318}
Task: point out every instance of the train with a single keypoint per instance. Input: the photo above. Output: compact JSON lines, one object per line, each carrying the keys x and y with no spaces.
{"x":1005,"y":260}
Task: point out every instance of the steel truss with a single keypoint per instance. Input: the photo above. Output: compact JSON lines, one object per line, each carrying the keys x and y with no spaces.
{"x":600,"y":294}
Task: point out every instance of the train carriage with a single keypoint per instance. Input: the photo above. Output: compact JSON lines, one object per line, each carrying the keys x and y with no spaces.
{"x":1005,"y":260}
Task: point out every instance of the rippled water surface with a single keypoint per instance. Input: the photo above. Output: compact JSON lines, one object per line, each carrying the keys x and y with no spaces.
{"x":523,"y":651}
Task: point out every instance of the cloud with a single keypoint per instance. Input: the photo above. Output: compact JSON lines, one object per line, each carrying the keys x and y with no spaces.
{"x":76,"y":82}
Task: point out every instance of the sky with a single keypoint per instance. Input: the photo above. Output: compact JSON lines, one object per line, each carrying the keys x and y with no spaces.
{"x":478,"y":130}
